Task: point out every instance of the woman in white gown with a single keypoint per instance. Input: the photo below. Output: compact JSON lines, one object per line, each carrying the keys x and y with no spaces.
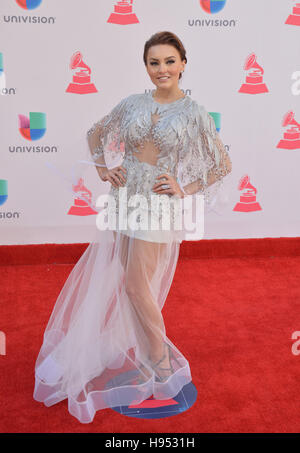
{"x":105,"y":344}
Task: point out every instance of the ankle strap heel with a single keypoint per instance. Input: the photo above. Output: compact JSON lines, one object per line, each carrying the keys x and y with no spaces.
{"x":159,"y":377}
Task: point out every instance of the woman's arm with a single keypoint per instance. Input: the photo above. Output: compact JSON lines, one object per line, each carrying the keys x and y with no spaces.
{"x":94,"y":137}
{"x":104,"y":137}
{"x":203,"y":159}
{"x":217,"y":172}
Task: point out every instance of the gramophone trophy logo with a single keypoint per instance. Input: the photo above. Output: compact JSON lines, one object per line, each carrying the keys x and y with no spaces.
{"x":34,"y":127}
{"x":212,"y":6}
{"x":291,"y":136}
{"x":29,"y":4}
{"x":123,"y":14}
{"x":254,"y":80}
{"x":247,"y":201}
{"x":80,"y":206}
{"x":82,"y":78}
{"x":294,"y":18}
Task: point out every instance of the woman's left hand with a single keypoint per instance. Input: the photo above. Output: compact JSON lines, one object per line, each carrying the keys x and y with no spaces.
{"x":170,"y":181}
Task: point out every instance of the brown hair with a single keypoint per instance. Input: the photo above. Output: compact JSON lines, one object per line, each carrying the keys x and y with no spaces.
{"x":165,"y":37}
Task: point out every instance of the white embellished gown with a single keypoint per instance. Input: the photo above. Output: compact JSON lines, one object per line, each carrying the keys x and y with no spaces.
{"x":105,"y":344}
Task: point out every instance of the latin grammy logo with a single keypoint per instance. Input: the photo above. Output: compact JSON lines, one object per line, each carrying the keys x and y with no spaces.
{"x":81,"y":79}
{"x":254,"y":80}
{"x":294,"y":18}
{"x":291,"y":136}
{"x":247,"y":201}
{"x":123,"y":14}
{"x":80,"y":206}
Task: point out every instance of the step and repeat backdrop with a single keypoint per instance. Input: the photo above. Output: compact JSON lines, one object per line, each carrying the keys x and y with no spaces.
{"x":64,"y":64}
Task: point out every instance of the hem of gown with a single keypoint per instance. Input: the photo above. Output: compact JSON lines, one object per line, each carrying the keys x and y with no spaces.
{"x":108,"y":380}
{"x":85,"y":411}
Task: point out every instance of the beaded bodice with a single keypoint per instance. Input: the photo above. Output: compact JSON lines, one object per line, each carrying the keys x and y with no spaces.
{"x":178,"y":138}
{"x":153,"y":135}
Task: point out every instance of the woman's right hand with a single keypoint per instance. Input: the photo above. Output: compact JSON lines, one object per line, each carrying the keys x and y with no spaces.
{"x":114,"y":175}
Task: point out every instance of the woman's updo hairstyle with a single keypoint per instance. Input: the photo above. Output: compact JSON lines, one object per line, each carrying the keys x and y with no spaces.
{"x":165,"y":37}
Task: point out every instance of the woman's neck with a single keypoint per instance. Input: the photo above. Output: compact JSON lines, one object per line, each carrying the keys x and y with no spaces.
{"x":167,"y":95}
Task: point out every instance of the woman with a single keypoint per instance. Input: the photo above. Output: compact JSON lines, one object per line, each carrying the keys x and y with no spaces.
{"x":105,"y":344}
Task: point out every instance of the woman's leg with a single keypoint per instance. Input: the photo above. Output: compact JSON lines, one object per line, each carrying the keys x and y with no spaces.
{"x":144,"y":260}
{"x":122,"y":245}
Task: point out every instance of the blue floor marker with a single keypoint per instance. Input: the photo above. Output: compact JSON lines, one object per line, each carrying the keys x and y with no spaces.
{"x":155,"y":408}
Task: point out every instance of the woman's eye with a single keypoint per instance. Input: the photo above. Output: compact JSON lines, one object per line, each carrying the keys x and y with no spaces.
{"x":154,"y":62}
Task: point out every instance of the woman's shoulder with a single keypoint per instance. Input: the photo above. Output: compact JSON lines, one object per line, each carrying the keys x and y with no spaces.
{"x":191,"y":106}
{"x":196,"y":107}
{"x":200,"y":113}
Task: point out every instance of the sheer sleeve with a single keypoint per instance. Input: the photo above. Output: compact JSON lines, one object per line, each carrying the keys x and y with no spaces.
{"x":105,"y":136}
{"x":203,"y":160}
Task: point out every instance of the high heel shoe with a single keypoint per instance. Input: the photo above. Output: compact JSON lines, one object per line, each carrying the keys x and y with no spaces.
{"x":156,"y":368}
{"x":143,"y":375}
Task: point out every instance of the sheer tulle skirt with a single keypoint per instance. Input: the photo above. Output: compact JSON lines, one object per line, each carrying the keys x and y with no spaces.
{"x":105,"y":344}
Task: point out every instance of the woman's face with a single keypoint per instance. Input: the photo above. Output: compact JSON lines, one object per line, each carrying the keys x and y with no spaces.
{"x":164,"y":66}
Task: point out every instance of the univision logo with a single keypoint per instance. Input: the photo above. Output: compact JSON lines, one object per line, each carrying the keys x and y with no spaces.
{"x":217,"y":119}
{"x":3,"y":88}
{"x":3,"y":197}
{"x":29,"y":4}
{"x":212,"y":6}
{"x":3,"y":191}
{"x":2,"y":76}
{"x":34,"y":127}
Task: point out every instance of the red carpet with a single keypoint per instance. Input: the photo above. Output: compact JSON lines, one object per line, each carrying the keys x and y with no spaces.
{"x":231,"y":310}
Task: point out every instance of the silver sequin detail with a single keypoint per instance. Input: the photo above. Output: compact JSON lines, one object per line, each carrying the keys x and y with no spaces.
{"x":189,"y":146}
